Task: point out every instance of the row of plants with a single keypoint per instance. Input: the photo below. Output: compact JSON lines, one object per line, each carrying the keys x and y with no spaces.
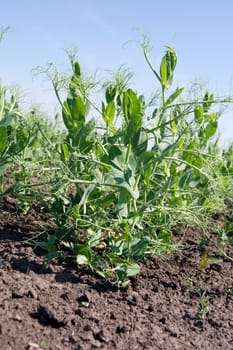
{"x":122,"y":172}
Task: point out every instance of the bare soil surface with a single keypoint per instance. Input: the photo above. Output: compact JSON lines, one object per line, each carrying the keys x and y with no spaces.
{"x":66,"y":307}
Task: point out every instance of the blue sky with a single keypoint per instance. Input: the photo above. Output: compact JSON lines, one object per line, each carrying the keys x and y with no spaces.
{"x":200,"y":31}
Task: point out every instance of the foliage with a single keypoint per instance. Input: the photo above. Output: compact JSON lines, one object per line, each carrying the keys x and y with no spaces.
{"x":203,"y":307}
{"x":124,"y":171}
{"x":14,"y":134}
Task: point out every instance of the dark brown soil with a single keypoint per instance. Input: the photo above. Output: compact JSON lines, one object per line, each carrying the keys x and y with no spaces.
{"x":61,"y":307}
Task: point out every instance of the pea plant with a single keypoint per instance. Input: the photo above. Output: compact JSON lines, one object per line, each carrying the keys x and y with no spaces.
{"x":129,"y":170}
{"x":14,"y":134}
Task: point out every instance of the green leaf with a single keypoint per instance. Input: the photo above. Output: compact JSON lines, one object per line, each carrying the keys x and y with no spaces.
{"x":50,"y":245}
{"x":81,"y":259}
{"x":53,"y":255}
{"x":109,"y":113}
{"x":140,"y":141}
{"x":84,"y":254}
{"x":193,"y":183}
{"x":174,"y":96}
{"x":146,"y":157}
{"x":66,"y":115}
{"x":76,"y":211}
{"x":185,"y":178}
{"x":110,"y":93}
{"x":165,"y":236}
{"x":211,"y":117}
{"x":3,"y":166}
{"x":138,"y":248}
{"x":131,"y":188}
{"x":3,"y":138}
{"x":108,"y":200}
{"x":65,"y":151}
{"x":82,"y":136}
{"x":20,"y":142}
{"x":22,"y":139}
{"x":125,"y":270}
{"x":134,"y":118}
{"x":77,"y":69}
{"x":126,"y":105}
{"x":77,"y":109}
{"x":9,"y":118}
{"x":210,"y":130}
{"x":146,"y":176}
{"x":132,"y":108}
{"x":135,"y":111}
{"x":132,"y":269}
{"x":171,"y":148}
{"x":207,"y":101}
{"x":117,"y":158}
{"x":163,"y":72}
{"x":199,"y":113}
{"x":122,"y":205}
